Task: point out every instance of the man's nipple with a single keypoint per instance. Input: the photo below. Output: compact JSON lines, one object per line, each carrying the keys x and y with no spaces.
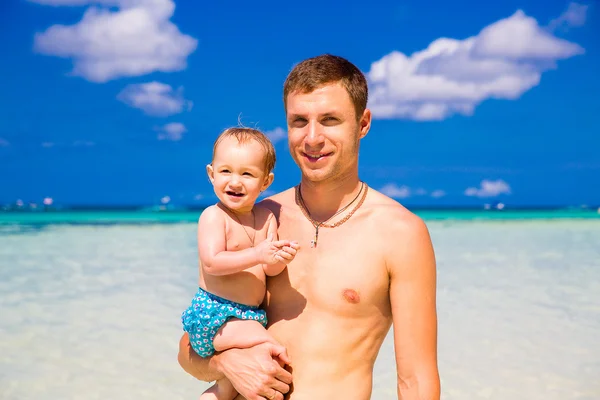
{"x":351,"y":296}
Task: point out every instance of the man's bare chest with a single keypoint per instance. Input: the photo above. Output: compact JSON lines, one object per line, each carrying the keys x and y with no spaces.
{"x":344,"y":274}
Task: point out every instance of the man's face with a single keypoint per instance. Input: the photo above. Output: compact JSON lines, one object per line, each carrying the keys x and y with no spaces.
{"x":324,"y":133}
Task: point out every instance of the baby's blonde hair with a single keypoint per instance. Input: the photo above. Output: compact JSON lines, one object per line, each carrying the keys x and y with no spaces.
{"x":243,"y":135}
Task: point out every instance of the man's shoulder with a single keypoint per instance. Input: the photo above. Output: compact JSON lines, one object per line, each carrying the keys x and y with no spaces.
{"x":393,"y":217}
{"x":405,"y":236}
{"x":283,"y":196}
{"x":275,"y":202}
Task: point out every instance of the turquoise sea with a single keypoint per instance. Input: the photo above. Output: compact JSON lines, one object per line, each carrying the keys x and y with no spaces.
{"x":90,"y":304}
{"x":127,"y":216}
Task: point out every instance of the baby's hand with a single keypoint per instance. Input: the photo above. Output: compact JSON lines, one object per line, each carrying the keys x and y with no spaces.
{"x":287,"y":253}
{"x":271,"y":252}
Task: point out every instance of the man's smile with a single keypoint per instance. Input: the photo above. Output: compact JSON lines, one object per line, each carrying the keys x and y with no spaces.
{"x":314,"y":157}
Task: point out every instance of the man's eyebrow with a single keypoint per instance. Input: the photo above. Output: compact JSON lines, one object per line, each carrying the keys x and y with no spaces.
{"x":333,"y":113}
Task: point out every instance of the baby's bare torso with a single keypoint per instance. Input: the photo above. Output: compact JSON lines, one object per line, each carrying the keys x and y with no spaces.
{"x":246,"y":287}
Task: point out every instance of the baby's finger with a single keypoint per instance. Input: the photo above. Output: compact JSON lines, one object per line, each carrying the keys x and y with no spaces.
{"x":280,"y":243}
{"x":289,"y":250}
{"x":285,"y":255}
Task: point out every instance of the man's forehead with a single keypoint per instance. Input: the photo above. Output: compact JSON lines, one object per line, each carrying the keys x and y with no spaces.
{"x":325,"y":87}
{"x":326,"y":98}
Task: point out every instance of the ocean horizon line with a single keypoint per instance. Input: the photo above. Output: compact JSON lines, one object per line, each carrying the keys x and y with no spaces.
{"x":491,"y":207}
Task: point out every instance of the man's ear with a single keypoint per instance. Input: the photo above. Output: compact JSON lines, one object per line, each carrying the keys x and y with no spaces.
{"x":365,"y":123}
{"x":211,"y":173}
{"x":267,"y":182}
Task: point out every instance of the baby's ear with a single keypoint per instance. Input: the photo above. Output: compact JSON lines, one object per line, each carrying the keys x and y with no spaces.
{"x":210,"y":172}
{"x":268,"y":180}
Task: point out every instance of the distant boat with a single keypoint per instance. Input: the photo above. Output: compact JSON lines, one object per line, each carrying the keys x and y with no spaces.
{"x":494,"y":206}
{"x":163,"y":208}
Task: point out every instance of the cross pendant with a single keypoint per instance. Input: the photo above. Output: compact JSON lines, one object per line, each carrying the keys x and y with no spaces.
{"x":313,"y":243}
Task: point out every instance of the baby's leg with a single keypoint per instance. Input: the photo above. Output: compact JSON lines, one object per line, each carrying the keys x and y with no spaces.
{"x":241,"y":334}
{"x":221,"y":390}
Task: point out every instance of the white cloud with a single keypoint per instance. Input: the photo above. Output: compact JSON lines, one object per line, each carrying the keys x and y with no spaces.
{"x":453,"y":76}
{"x":402,"y":192}
{"x":276,"y":134}
{"x":48,"y":144}
{"x":57,"y":3}
{"x":134,"y":40}
{"x":173,"y":131}
{"x":155,"y":98}
{"x":436,"y":194}
{"x":83,"y":143}
{"x":393,"y":190}
{"x":574,"y":16}
{"x":489,"y":189}
{"x":4,"y":143}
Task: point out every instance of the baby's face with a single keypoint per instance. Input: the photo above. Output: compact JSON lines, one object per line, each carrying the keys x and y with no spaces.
{"x":238,"y":173}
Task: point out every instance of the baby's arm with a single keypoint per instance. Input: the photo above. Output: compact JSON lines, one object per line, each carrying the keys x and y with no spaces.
{"x":212,"y":245}
{"x":284,"y":256}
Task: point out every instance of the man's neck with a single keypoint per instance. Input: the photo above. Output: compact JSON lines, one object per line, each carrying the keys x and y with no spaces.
{"x":324,"y":199}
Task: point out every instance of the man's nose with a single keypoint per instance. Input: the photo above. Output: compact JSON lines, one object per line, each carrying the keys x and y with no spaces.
{"x":313,"y":136}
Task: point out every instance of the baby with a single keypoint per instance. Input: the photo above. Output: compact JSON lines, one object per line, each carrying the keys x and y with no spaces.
{"x":238,"y":249}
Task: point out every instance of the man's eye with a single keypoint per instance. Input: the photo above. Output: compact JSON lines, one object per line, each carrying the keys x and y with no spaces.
{"x":299,"y":122}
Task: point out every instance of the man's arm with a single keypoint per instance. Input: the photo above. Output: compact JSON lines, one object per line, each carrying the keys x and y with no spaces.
{"x":204,"y":369}
{"x":412,"y":269}
{"x":254,"y":372}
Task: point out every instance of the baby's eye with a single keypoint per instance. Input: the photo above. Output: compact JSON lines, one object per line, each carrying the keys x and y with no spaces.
{"x":247,"y":174}
{"x":224,"y":171}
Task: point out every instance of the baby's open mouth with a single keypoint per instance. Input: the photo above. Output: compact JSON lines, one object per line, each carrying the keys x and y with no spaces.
{"x":235,"y":194}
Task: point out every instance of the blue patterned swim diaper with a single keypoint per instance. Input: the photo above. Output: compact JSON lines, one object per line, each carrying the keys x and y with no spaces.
{"x":207,"y":313}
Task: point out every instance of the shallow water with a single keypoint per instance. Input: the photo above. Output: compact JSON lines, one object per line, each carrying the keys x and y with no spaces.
{"x":92,"y":312}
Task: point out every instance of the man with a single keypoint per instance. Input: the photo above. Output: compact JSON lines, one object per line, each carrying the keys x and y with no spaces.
{"x":364,"y":263}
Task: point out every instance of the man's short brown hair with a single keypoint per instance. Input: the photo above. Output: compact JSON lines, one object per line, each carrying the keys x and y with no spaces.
{"x":244,"y":135}
{"x":315,"y":72}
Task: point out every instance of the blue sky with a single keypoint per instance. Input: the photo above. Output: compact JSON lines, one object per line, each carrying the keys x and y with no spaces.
{"x":117,"y":102}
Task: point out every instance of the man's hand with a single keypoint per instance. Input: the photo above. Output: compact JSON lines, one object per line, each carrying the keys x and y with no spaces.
{"x":257,"y":372}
